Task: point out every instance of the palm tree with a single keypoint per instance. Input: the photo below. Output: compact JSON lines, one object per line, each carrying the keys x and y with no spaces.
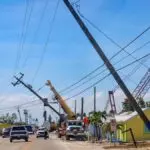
{"x":97,"y":117}
{"x":96,"y":121}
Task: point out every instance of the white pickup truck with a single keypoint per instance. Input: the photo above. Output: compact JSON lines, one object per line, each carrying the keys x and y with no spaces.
{"x":75,"y":130}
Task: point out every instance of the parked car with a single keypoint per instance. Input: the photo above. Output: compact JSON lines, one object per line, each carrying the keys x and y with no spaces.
{"x":75,"y":130}
{"x":29,"y":129}
{"x":41,"y":132}
{"x":18,"y":133}
{"x":6,"y":132}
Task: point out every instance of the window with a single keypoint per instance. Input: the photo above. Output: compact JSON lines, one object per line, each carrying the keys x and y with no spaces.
{"x":18,"y":128}
{"x":29,"y":128}
{"x":146,"y":130}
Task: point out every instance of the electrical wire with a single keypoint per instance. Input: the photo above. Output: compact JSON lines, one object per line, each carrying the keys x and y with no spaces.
{"x":133,"y":71}
{"x":122,"y":49}
{"x":46,"y":43}
{"x":39,"y":89}
{"x":107,"y":75}
{"x":15,"y":106}
{"x":27,"y":104}
{"x":93,"y":77}
{"x":27,"y":27}
{"x":108,"y":37}
{"x":37,"y":31}
{"x":21,"y":37}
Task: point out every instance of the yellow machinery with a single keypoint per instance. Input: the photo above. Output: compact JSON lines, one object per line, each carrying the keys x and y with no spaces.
{"x":61,"y":101}
{"x":61,"y":130}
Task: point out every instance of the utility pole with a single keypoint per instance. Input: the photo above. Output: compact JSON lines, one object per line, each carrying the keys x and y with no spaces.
{"x":26,"y":115}
{"x":82,"y":107}
{"x":29,"y":87}
{"x":108,"y":64}
{"x":45,"y":115}
{"x":94,"y":99}
{"x":75,"y":107}
{"x":30,"y":119}
{"x":18,"y":109}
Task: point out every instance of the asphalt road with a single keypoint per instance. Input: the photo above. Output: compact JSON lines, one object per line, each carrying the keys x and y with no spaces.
{"x":51,"y":144}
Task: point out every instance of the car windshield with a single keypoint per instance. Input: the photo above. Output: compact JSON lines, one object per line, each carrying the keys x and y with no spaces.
{"x":29,"y":128}
{"x":7,"y":129}
{"x":18,"y":128}
{"x":41,"y":128}
{"x":75,"y":123}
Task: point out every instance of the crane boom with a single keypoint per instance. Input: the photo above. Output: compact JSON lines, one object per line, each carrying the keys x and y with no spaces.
{"x":141,"y":89}
{"x":61,"y":101}
{"x":143,"y":86}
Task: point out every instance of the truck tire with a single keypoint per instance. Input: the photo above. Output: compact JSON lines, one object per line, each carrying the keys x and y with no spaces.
{"x":11,"y":140}
{"x":67,"y":138}
{"x":59,"y":135}
{"x":26,"y":139}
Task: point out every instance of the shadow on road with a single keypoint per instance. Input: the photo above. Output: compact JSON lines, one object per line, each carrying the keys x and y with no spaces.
{"x":20,"y":141}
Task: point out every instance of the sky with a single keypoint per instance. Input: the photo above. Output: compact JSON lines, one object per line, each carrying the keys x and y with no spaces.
{"x":30,"y":35}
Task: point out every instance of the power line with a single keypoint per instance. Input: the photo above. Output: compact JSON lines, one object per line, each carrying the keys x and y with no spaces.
{"x":122,"y":49}
{"x":37,"y":30}
{"x":133,"y":71}
{"x":39,"y":89}
{"x":31,"y":102}
{"x":21,"y":37}
{"x":108,"y":37}
{"x":107,"y":75}
{"x":20,"y":105}
{"x":46,"y":43}
{"x":26,"y":27}
{"x":123,"y":58}
{"x":85,"y":77}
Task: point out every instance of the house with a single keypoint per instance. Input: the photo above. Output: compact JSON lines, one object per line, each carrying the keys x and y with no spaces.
{"x":132,"y":120}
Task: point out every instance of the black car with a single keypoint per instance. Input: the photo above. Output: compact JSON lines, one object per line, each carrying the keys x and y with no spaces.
{"x":6,"y":132}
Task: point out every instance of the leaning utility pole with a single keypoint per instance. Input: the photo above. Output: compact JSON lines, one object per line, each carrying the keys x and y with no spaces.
{"x":29,"y":87}
{"x":108,"y":64}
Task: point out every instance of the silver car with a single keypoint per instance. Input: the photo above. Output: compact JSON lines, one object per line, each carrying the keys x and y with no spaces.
{"x":18,"y":133}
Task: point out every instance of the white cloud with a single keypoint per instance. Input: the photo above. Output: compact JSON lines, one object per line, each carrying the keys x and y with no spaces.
{"x":36,"y":109}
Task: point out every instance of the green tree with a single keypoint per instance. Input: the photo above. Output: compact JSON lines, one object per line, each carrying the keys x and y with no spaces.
{"x":13,"y":117}
{"x":127,"y":106}
{"x":97,"y":117}
{"x":141,"y":102}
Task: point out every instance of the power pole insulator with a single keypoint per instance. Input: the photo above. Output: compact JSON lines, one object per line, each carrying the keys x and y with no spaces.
{"x":19,"y":81}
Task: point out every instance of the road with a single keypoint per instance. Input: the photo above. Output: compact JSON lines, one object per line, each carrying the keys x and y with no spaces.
{"x":51,"y":144}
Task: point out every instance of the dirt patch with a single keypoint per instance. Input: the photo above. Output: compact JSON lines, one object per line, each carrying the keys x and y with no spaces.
{"x":140,"y":145}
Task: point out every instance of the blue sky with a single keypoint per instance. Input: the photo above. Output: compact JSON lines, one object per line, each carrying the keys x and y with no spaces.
{"x":69,"y":55}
